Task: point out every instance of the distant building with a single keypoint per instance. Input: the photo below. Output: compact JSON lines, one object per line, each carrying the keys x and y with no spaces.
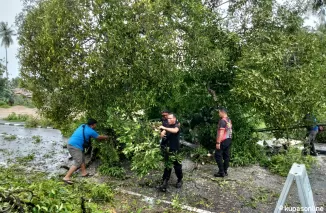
{"x":23,"y":92}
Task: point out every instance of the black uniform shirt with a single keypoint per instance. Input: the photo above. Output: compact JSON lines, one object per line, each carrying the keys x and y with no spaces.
{"x":173,"y":139}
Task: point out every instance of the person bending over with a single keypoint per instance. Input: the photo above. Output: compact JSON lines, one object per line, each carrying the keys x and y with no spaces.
{"x":76,"y":146}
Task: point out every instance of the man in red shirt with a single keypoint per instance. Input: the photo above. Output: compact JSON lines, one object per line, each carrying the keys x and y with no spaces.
{"x":223,"y":143}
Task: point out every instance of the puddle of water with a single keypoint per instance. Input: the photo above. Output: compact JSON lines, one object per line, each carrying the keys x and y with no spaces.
{"x":47,"y":155}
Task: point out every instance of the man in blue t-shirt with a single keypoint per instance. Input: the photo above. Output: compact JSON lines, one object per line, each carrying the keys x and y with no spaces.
{"x":312,"y":130}
{"x":76,"y":145}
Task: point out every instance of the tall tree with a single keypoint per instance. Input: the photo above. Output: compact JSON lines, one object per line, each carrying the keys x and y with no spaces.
{"x":2,"y":81}
{"x":6,"y":34}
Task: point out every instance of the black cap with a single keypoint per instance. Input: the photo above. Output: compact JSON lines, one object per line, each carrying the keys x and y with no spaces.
{"x":165,"y":111}
{"x":91,"y":121}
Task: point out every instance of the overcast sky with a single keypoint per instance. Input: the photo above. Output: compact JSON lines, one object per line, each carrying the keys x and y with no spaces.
{"x":8,"y":11}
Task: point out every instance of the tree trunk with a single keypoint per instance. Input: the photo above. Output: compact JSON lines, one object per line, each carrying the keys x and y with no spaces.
{"x":7,"y":64}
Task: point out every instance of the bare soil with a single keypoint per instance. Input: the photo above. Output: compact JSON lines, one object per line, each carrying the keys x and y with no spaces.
{"x":246,"y":189}
{"x":4,"y":112}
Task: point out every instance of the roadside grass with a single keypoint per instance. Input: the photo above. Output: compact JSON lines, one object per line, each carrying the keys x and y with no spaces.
{"x":10,"y":137}
{"x":16,"y":117}
{"x":5,"y":106}
{"x":33,"y":122}
{"x":281,"y":163}
{"x":30,"y":121}
{"x":34,"y":192}
{"x":26,"y":159}
{"x":37,"y":139}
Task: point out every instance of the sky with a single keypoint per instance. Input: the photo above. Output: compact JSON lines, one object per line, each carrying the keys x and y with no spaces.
{"x":8,"y":11}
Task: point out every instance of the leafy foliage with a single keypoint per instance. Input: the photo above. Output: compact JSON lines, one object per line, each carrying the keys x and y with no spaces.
{"x":16,"y":117}
{"x":33,"y":122}
{"x":282,"y":163}
{"x":140,"y":140}
{"x":23,"y":101}
{"x":10,"y":137}
{"x":88,"y":57}
{"x":4,"y":92}
{"x":36,"y":193}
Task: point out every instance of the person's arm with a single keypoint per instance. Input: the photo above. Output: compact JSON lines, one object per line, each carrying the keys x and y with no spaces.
{"x":102,"y":137}
{"x":220,"y":133}
{"x":163,"y":133}
{"x":95,"y":135}
{"x":172,"y":130}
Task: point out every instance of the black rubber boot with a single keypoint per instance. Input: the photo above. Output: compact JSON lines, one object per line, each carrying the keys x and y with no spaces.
{"x":179,"y":184}
{"x":219,"y":175}
{"x":163,"y":186}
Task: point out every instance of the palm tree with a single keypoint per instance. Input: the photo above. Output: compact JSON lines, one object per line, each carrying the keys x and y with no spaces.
{"x":6,"y":34}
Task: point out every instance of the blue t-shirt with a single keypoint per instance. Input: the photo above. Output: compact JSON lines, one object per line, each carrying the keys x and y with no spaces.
{"x":315,"y":128}
{"x":77,"y":138}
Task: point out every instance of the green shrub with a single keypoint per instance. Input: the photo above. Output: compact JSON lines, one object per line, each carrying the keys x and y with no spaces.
{"x":115,"y":171}
{"x":16,"y":117}
{"x":108,"y":153}
{"x":10,"y":137}
{"x":32,"y":122}
{"x":52,"y":195}
{"x":23,"y":101}
{"x":321,"y":136}
{"x":25,"y":159}
{"x":37,"y":139}
{"x":44,"y":122}
{"x":282,"y":163}
{"x":3,"y":104}
{"x":139,"y":139}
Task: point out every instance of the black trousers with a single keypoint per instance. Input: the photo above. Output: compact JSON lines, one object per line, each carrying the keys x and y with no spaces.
{"x":168,"y":170}
{"x":222,"y":156}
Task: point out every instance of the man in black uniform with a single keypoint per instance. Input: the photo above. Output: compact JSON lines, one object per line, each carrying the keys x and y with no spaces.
{"x":164,"y":119}
{"x":171,"y":145}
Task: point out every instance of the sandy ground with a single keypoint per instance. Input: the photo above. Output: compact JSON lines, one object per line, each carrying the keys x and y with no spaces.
{"x":4,"y":112}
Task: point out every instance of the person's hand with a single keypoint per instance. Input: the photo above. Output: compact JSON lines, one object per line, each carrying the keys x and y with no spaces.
{"x":218,"y":146}
{"x":163,"y":133}
{"x":162,"y":127}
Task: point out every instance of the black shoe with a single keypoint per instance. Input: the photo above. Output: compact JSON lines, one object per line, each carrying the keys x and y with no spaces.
{"x":163,"y":186}
{"x":219,"y":175}
{"x":179,"y":184}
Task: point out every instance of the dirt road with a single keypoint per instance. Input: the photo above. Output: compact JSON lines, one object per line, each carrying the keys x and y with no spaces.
{"x":4,"y":112}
